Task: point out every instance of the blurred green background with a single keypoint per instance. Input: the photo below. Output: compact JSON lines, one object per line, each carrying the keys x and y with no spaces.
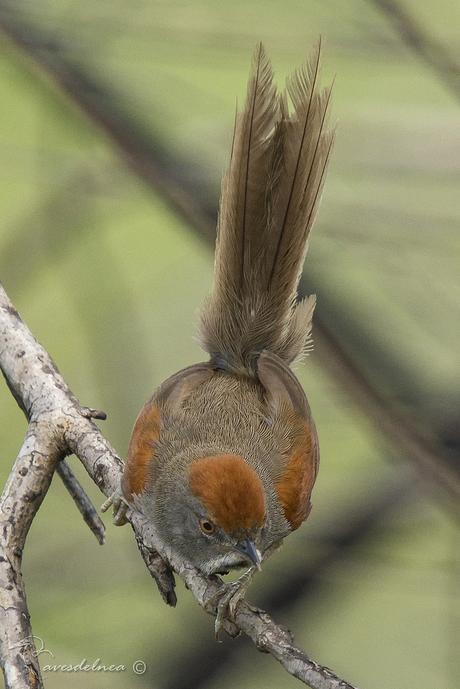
{"x":109,"y":275}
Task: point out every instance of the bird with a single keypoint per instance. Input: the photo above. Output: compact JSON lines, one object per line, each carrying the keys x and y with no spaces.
{"x":224,"y":456}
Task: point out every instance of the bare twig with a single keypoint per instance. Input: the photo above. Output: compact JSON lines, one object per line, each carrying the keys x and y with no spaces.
{"x":52,"y":407}
{"x":82,"y":501}
{"x":160,"y":570}
{"x":24,"y":491}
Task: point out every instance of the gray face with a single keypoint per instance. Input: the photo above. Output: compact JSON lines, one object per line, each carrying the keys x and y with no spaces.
{"x":185,"y":526}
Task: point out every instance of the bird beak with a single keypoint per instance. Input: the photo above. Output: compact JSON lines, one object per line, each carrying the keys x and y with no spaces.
{"x":250,"y":551}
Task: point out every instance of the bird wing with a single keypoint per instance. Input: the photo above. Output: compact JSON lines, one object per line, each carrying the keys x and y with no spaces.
{"x":147,"y":429}
{"x":292,"y":421}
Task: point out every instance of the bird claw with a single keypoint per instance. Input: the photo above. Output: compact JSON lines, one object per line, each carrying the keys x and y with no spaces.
{"x":227,"y":598}
{"x":120,"y":507}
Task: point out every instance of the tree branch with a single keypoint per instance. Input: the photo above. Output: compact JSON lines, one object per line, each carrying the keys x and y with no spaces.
{"x":56,"y":428}
{"x":82,"y":501}
{"x":24,"y":491}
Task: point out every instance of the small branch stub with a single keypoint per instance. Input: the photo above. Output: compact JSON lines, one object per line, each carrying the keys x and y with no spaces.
{"x":90,"y":413}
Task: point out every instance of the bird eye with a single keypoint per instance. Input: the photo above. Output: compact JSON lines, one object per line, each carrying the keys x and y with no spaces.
{"x":206,"y":526}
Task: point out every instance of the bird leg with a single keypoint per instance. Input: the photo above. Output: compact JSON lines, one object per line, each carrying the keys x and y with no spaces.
{"x":120,"y":507}
{"x":228,"y":597}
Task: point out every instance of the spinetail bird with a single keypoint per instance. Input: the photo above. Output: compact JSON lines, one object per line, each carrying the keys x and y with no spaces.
{"x":224,"y":456}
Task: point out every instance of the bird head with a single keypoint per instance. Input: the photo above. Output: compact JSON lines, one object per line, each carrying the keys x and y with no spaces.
{"x":215,"y":517}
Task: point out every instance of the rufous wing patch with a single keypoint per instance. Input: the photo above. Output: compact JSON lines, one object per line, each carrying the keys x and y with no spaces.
{"x":296,"y":484}
{"x":141,"y":450}
{"x":285,"y":397}
{"x":146,"y":432}
{"x":231,"y":491}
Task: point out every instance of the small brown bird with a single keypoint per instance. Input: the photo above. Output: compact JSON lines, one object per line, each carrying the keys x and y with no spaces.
{"x":224,"y":455}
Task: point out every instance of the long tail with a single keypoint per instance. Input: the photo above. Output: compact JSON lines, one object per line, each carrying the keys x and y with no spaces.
{"x":270,"y":194}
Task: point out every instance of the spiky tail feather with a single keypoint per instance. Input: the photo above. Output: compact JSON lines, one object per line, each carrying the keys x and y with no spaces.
{"x":270,"y":194}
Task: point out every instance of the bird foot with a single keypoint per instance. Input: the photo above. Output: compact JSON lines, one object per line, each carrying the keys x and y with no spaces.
{"x":227,"y":598}
{"x":120,"y":507}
